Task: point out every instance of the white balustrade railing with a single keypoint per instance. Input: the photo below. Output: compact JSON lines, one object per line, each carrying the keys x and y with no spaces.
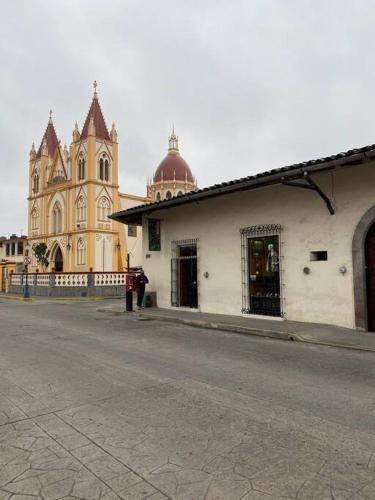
{"x":109,"y":279}
{"x":42,"y":279}
{"x":74,"y":279}
{"x":16,"y":279}
{"x":69,"y":279}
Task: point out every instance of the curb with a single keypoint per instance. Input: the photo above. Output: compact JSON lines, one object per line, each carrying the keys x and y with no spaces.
{"x":336,"y":344}
{"x":210,"y":325}
{"x":20,"y":299}
{"x":242,"y":330}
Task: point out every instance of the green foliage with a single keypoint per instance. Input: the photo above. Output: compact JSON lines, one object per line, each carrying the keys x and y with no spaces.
{"x":40,"y":250}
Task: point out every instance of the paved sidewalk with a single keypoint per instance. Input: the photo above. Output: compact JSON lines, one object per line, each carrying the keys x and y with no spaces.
{"x":312,"y":333}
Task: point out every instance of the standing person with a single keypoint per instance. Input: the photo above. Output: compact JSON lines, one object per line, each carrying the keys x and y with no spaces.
{"x":141,"y":281}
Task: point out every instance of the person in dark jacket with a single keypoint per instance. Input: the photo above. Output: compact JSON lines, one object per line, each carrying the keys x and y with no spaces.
{"x":140,"y":282}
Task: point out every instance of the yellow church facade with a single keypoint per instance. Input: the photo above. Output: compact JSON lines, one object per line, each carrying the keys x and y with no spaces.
{"x":72,"y":192}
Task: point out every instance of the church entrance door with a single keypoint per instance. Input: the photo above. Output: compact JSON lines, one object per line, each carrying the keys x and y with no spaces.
{"x":59,"y":261}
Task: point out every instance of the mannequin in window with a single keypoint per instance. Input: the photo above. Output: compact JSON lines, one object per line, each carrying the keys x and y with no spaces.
{"x":272,"y":265}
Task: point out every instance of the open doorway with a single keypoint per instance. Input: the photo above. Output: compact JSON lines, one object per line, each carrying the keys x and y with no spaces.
{"x":184,"y":274}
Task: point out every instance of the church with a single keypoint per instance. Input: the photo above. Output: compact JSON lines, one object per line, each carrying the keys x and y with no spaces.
{"x":72,"y":192}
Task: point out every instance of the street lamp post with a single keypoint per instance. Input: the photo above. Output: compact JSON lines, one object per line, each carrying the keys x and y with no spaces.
{"x":26,"y":293}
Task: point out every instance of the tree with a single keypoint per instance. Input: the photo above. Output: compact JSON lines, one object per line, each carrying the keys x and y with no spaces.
{"x":40,"y":251}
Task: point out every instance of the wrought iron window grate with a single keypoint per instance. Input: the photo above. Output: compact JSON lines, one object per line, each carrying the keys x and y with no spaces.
{"x":261,"y":270}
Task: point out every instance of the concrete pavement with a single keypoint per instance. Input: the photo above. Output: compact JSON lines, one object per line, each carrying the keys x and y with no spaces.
{"x":106,"y":406}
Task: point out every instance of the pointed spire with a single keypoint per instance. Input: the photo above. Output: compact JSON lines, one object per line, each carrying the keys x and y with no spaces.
{"x":76,"y":135}
{"x":173,"y":142}
{"x":49,"y":139}
{"x":32,"y":152}
{"x":66,"y":152}
{"x":113,"y":133}
{"x":96,"y":114}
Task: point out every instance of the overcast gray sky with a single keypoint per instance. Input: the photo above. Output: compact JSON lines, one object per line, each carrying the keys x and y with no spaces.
{"x":250,"y":85}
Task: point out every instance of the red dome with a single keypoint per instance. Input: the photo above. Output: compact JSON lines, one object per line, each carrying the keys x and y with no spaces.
{"x":173,"y":167}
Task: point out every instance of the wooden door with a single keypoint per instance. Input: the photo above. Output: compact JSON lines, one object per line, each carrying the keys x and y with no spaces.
{"x":370,"y":277}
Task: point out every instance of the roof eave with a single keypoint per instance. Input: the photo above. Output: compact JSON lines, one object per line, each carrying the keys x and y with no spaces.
{"x":134,"y":215}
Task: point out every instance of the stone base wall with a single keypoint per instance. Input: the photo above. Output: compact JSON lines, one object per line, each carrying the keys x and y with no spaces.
{"x":69,"y":284}
{"x":69,"y":291}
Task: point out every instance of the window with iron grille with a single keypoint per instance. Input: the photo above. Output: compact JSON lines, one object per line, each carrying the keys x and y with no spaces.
{"x":261,"y":270}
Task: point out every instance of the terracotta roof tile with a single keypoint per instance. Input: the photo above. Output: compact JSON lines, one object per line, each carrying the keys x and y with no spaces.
{"x":100,"y":126}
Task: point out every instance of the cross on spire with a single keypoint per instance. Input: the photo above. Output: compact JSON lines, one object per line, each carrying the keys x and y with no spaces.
{"x":95,"y":87}
{"x":50,"y":115}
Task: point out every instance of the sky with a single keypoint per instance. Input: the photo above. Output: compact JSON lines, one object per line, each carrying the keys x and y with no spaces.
{"x":248,"y":85}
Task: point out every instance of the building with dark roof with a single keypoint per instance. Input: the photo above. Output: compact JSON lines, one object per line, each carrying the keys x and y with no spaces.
{"x":296,"y":242}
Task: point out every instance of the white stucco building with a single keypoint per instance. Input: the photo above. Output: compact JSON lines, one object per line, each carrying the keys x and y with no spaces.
{"x":296,"y":243}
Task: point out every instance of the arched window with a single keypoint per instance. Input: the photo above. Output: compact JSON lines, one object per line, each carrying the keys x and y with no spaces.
{"x":34,"y":218}
{"x":104,"y":167}
{"x":101,"y":169}
{"x":168,"y":195}
{"x":56,"y":218}
{"x":36,"y":183}
{"x":81,"y":252}
{"x":81,"y":209}
{"x":104,"y":207}
{"x":158,"y":197}
{"x":180,"y":193}
{"x":81,"y":168}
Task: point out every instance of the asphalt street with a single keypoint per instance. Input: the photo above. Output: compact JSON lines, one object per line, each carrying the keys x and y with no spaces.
{"x":98,"y":405}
